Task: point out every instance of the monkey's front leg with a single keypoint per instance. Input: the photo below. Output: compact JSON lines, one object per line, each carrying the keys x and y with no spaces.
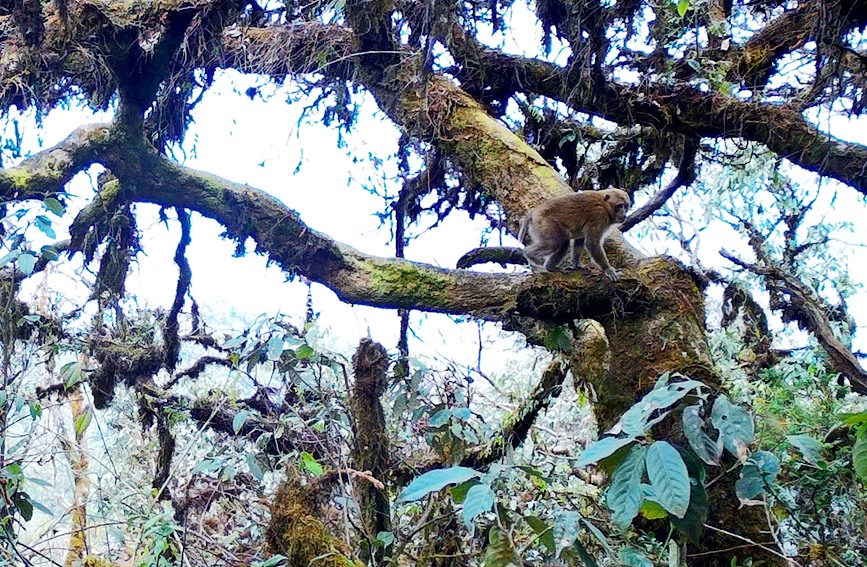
{"x":597,"y":253}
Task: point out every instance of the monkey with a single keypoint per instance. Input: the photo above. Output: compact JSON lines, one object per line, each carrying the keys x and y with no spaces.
{"x":585,"y":217}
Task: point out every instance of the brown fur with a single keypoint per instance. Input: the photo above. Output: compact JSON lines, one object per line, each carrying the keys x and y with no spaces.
{"x":585,"y":217}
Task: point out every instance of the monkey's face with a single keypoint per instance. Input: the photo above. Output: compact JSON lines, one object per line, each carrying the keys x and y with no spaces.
{"x":619,"y":202}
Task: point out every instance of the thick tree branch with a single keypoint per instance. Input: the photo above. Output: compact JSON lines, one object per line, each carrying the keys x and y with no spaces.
{"x":685,"y":109}
{"x":359,"y":278}
{"x":45,"y":173}
{"x":500,"y":254}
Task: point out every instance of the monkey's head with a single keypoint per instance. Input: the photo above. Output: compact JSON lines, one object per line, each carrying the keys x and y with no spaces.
{"x":618,"y":201}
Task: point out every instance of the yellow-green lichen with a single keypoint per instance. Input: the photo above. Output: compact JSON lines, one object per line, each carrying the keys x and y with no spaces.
{"x":405,"y":279}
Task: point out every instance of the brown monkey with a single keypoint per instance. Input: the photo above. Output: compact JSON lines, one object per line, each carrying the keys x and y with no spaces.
{"x":585,"y":217}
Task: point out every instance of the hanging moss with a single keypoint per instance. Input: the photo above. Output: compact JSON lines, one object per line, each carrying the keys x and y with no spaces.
{"x":294,"y":530}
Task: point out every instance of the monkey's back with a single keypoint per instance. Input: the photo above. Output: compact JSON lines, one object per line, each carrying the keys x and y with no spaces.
{"x":574,"y":211}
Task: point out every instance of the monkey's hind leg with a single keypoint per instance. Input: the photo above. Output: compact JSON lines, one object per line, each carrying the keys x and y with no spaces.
{"x":544,"y":256}
{"x":556,"y":257}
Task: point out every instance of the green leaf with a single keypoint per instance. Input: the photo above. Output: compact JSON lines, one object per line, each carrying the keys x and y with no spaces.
{"x":859,"y":458}
{"x":25,"y":507}
{"x":275,"y":347}
{"x":41,"y":507}
{"x":544,"y":532}
{"x":693,"y":521}
{"x":668,"y":477}
{"x":435,"y":480}
{"x":43,"y":223}
{"x":852,"y":419}
{"x":750,"y":484}
{"x":255,"y":468}
{"x":459,"y":491}
{"x":439,"y":418}
{"x":384,"y":539}
{"x":480,"y":499}
{"x":39,"y":482}
{"x":652,"y":510}
{"x":632,"y":557}
{"x":49,"y":252}
{"x":9,"y":257}
{"x":760,"y":470}
{"x":499,"y":552}
{"x":70,"y":374}
{"x":682,"y":7}
{"x":601,"y":449}
{"x":566,"y":529}
{"x":239,"y":420}
{"x":636,"y":420}
{"x":809,"y":447}
{"x":735,"y":426}
{"x":35,"y":407}
{"x":585,"y":556}
{"x":706,"y":448}
{"x":81,"y":422}
{"x":234,"y":342}
{"x":310,"y":464}
{"x":304,"y":352}
{"x":559,"y":339}
{"x":205,"y":465}
{"x":54,"y":206}
{"x":536,"y":473}
{"x":26,"y":263}
{"x":768,"y":464}
{"x":624,"y":493}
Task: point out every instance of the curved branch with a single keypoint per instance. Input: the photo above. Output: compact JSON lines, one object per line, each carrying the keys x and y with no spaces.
{"x":45,"y":173}
{"x":685,"y":176}
{"x":805,"y":310}
{"x":500,"y":254}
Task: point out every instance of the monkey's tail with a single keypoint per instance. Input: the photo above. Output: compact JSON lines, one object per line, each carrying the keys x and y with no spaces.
{"x":522,"y":232}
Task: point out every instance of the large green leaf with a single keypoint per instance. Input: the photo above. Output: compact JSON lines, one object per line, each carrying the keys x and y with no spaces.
{"x":760,"y":470}
{"x":668,"y":477}
{"x":434,"y":481}
{"x":54,"y":206}
{"x":624,"y":493}
{"x":632,"y":557}
{"x":693,"y":521}
{"x":566,"y":529}
{"x":603,"y":448}
{"x":636,"y":420}
{"x":70,"y":374}
{"x":275,"y":347}
{"x":859,"y":457}
{"x":704,"y":446}
{"x":544,"y":532}
{"x":735,"y":426}
{"x":809,"y":447}
{"x":499,"y":552}
{"x":26,"y":263}
{"x":480,"y":499}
